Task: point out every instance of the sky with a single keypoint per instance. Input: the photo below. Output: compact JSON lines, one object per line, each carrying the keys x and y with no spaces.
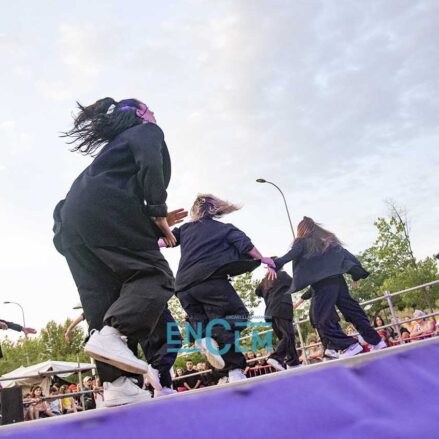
{"x":335,"y":101}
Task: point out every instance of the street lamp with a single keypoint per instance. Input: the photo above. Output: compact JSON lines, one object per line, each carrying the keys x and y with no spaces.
{"x":22,"y":313}
{"x":261,"y":180}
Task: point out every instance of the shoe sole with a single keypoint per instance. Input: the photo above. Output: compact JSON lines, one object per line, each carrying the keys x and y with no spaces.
{"x":115,"y":361}
{"x":124,"y":401}
{"x":352,"y":353}
{"x":236,"y":380}
{"x":276,"y":365}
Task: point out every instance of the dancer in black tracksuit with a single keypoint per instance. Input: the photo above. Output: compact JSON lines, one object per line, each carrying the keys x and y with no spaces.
{"x":319,"y":260}
{"x":211,"y":251}
{"x":279,"y":312}
{"x":107,"y":228}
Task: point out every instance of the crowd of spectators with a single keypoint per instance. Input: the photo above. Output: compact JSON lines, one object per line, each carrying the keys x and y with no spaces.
{"x":37,"y":405}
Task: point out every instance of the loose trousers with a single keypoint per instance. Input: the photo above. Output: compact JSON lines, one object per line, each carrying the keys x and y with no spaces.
{"x":128,"y":290}
{"x":286,"y":348}
{"x":332,"y":292}
{"x":217,"y":299}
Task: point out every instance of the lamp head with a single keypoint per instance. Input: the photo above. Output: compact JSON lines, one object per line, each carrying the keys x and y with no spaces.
{"x":5,"y":303}
{"x":261,"y":180}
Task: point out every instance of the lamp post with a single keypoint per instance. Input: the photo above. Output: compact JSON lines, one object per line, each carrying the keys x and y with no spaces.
{"x":24,"y":326}
{"x":22,"y":313}
{"x":261,"y":180}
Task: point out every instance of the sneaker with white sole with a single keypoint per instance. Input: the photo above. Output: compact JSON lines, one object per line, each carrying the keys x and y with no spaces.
{"x":351,"y":351}
{"x":153,"y":377}
{"x":295,"y":366}
{"x":109,"y":346}
{"x":209,"y":347}
{"x":331,"y":353}
{"x":236,"y":375}
{"x":378,"y":347}
{"x":275,"y":364}
{"x":165,"y":391}
{"x":123,"y":391}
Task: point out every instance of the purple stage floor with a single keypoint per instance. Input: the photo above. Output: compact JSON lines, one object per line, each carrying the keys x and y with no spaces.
{"x":389,"y":394}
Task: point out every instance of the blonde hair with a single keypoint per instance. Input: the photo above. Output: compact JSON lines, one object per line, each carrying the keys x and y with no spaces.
{"x":209,"y":206}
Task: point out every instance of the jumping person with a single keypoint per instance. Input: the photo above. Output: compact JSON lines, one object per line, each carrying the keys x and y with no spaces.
{"x":279,"y":312}
{"x":107,"y":229}
{"x":320,"y":260}
{"x":211,"y":251}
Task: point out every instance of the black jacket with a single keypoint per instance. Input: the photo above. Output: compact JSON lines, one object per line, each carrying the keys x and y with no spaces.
{"x":277,"y":303}
{"x":210,"y":248}
{"x":307,"y":270}
{"x":113,"y":200}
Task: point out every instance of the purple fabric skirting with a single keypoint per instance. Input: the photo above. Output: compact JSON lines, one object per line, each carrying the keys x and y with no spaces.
{"x":393,"y":396}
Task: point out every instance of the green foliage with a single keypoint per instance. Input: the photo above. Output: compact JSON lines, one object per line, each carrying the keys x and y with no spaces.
{"x":245,"y":286}
{"x":48,"y":345}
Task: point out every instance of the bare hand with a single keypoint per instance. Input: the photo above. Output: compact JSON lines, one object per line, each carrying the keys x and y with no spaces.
{"x":170,"y":240}
{"x":269,"y":262}
{"x":3,"y":325}
{"x":29,"y":331}
{"x":67,"y":336}
{"x":176,"y":216}
{"x":271,"y":274}
{"x":354,"y":284}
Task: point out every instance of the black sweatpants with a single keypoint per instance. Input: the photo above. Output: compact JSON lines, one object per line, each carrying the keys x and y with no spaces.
{"x":332,"y":292}
{"x":334,"y":318}
{"x":128,"y":290}
{"x":217,"y":299}
{"x":286,"y":348}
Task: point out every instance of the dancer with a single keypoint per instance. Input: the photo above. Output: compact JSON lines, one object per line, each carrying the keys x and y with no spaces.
{"x":211,"y":251}
{"x":107,"y":229}
{"x":320,"y":260}
{"x":279,"y":312}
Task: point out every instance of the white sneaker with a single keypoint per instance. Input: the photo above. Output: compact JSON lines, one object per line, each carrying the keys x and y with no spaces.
{"x":165,"y":391}
{"x":378,"y":347}
{"x":153,"y":378}
{"x":352,"y":350}
{"x":223,"y":380}
{"x":295,"y":367}
{"x":108,"y":346}
{"x":331,"y":353}
{"x":123,"y":391}
{"x":209,"y":347}
{"x":275,"y":364}
{"x":236,"y":375}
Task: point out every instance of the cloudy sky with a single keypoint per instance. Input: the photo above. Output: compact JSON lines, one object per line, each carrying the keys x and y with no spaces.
{"x":335,"y":101}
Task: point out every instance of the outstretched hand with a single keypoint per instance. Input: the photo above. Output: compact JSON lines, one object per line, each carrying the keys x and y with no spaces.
{"x":3,"y":325}
{"x":271,"y":274}
{"x":176,"y":216}
{"x":269,"y":262}
{"x":29,"y":331}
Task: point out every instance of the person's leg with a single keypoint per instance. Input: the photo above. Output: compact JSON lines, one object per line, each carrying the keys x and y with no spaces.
{"x":324,"y":299}
{"x":160,"y":351}
{"x":220,"y":301}
{"x":98,"y":289}
{"x":288,"y":343}
{"x":354,"y":314}
{"x":280,"y":351}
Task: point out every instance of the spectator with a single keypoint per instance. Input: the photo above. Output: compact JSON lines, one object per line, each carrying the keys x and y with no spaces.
{"x":39,"y":407}
{"x":313,"y":352}
{"x":353,"y":333}
{"x":68,"y":404}
{"x":55,"y":404}
{"x":422,"y":327}
{"x":191,"y":382}
{"x":248,"y":371}
{"x":387,"y":334}
{"x":89,"y":400}
{"x":179,"y":381}
{"x":207,"y":378}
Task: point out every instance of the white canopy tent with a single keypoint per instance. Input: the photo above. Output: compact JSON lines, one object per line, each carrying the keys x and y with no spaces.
{"x":34,"y":375}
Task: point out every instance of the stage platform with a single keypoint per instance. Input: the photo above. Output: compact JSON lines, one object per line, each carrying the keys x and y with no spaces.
{"x":392,"y":393}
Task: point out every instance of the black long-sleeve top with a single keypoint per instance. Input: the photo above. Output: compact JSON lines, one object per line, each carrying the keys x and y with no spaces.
{"x":114,"y":200}
{"x":277,"y":303}
{"x":307,"y":270}
{"x":211,"y":248}
{"x":13,"y":326}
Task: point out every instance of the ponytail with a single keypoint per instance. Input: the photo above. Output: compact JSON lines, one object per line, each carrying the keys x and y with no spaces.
{"x":100,"y":123}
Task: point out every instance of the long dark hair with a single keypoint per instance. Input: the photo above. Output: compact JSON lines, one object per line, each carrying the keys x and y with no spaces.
{"x":318,"y":238}
{"x":99,"y":123}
